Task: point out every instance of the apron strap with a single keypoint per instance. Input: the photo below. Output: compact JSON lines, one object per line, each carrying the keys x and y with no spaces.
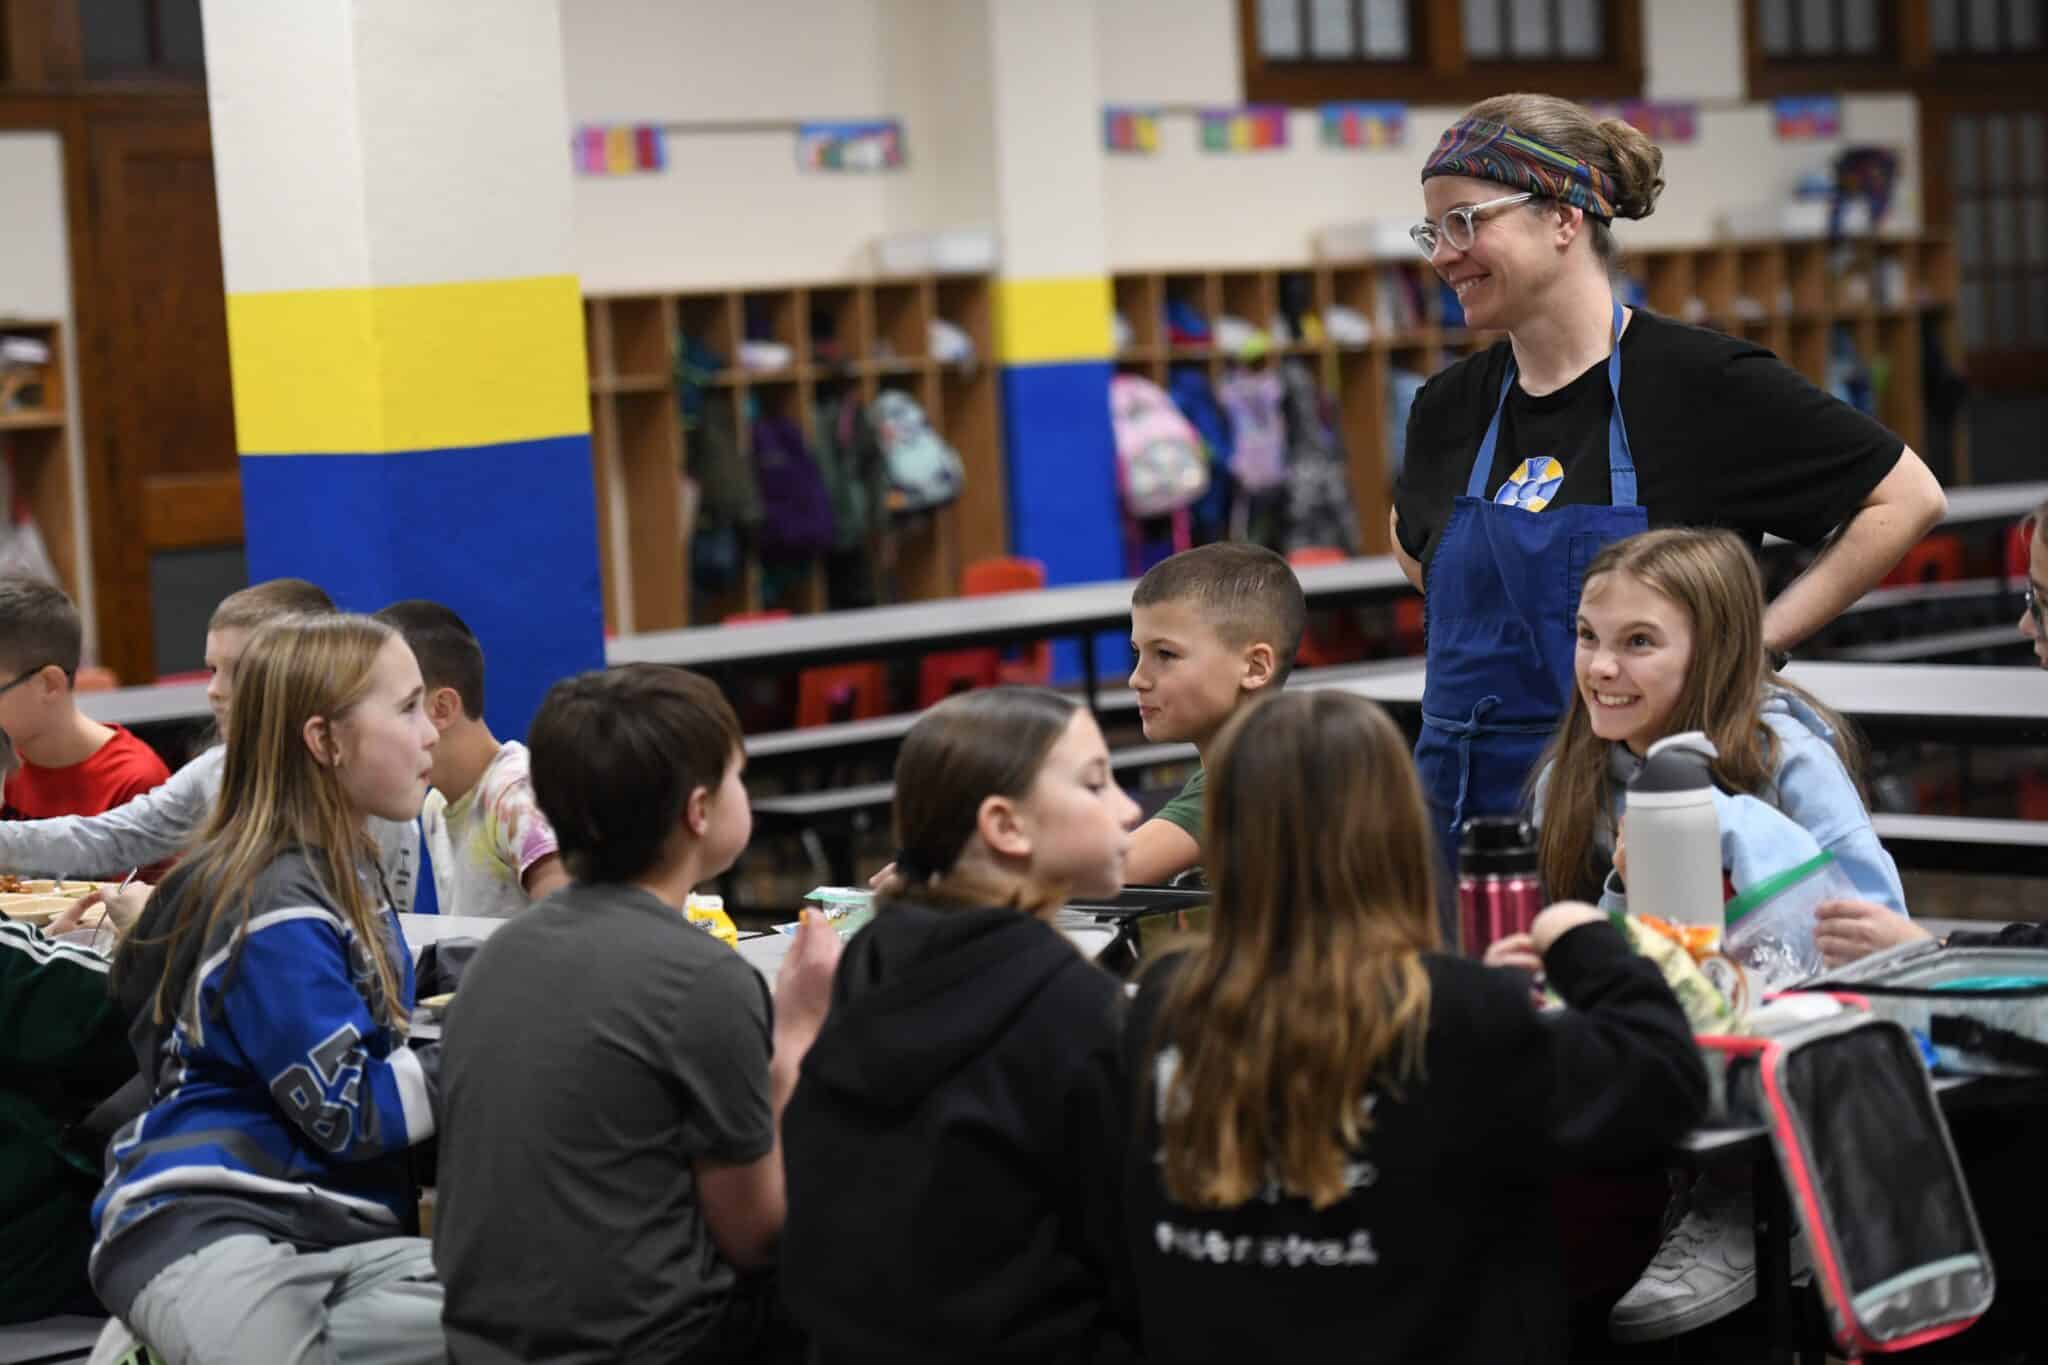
{"x":1467,"y":730}
{"x":1621,"y":468}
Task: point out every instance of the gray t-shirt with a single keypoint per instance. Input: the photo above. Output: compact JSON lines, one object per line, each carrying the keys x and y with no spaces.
{"x":597,"y":1046}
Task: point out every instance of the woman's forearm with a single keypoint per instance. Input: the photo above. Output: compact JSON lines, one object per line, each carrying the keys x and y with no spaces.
{"x":1900,"y":510}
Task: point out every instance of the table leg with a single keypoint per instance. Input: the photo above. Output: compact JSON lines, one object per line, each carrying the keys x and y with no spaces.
{"x":1773,"y":1215}
{"x":1089,"y":680}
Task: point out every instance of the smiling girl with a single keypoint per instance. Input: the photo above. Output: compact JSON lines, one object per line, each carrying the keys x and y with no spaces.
{"x":1670,"y":639}
{"x":257,"y":1210}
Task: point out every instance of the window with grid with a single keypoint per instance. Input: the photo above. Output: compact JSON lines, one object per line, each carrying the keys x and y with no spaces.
{"x":1825,"y":30}
{"x":1336,"y":31}
{"x":1535,"y":30}
{"x":1988,"y":28}
{"x":1998,"y":176}
{"x":1438,"y":52}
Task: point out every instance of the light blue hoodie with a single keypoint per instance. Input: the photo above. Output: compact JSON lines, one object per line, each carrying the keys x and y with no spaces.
{"x":1810,"y":805}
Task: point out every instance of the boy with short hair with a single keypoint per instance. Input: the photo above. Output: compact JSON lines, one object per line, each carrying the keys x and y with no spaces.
{"x":613,"y":1078}
{"x":70,"y":763}
{"x":492,"y":849}
{"x":1213,"y":628}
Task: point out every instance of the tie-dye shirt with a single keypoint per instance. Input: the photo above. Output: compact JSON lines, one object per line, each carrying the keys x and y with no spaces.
{"x":482,"y":844}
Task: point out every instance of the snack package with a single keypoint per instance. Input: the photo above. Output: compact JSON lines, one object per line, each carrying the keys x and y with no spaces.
{"x":708,"y":914}
{"x":1714,"y":990}
{"x":1770,"y":926}
{"x":847,"y":908}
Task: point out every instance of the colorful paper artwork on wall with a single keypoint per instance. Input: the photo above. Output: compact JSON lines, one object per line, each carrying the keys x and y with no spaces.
{"x":1805,"y":117}
{"x":871,"y":146}
{"x":621,"y":149}
{"x":1255,"y":128}
{"x":1662,"y":123}
{"x":1131,"y":130}
{"x":1365,"y":125}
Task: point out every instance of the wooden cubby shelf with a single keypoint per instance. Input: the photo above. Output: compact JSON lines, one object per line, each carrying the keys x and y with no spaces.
{"x":1788,"y":296}
{"x":35,"y":442}
{"x":869,"y":335}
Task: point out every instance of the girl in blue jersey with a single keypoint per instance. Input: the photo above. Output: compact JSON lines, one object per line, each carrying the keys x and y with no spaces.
{"x":258,"y":1209}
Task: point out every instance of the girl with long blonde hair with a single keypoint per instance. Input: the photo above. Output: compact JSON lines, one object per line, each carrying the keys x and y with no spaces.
{"x":1671,"y":639}
{"x":257,"y":1209}
{"x":1346,"y":1126}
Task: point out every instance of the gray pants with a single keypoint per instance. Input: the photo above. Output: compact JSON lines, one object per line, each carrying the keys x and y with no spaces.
{"x":250,"y":1299}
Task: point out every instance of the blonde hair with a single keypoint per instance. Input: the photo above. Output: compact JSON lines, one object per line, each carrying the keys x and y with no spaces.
{"x":1633,"y":162}
{"x":989,"y":742}
{"x":1711,"y":577}
{"x":1310,"y":987}
{"x":275,"y":795}
{"x":266,"y":601}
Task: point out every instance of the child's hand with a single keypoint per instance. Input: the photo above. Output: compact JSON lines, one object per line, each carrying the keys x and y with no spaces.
{"x":1514,"y":950}
{"x":803,"y":984}
{"x":123,"y":907}
{"x":1621,"y":850}
{"x":1847,"y":930}
{"x":875,"y":882}
{"x":1559,"y":920}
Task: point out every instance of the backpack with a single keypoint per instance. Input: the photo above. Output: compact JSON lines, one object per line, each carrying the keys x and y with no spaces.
{"x":1253,"y":399}
{"x":1188,"y":387}
{"x":1319,"y":510}
{"x":851,"y":467}
{"x":923,"y":471}
{"x":729,"y":494}
{"x":796,"y":517}
{"x":1159,"y":461}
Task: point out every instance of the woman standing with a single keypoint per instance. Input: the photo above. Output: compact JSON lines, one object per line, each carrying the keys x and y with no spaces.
{"x":1528,"y":457}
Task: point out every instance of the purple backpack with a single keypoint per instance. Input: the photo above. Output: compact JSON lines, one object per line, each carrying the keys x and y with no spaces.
{"x":796,"y":509}
{"x":1253,"y":398}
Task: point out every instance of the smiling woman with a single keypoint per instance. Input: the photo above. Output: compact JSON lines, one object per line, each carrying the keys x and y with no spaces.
{"x":1526,"y":458}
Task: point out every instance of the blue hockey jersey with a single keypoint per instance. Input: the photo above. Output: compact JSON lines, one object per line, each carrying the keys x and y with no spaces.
{"x":283,"y":1105}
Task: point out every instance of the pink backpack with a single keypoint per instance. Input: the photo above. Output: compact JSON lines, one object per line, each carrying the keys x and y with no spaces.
{"x":1160,"y":463}
{"x":1252,"y":399}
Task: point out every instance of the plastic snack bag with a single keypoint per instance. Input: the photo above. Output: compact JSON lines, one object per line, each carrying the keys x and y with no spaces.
{"x":708,"y":914}
{"x":847,"y":908}
{"x":1770,"y":925}
{"x":1713,"y":990}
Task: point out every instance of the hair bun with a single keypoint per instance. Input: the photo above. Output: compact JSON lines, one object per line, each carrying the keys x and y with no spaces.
{"x":1639,"y":168}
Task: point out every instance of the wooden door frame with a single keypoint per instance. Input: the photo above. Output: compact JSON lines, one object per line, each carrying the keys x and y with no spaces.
{"x":117,"y":517}
{"x":2006,"y":370}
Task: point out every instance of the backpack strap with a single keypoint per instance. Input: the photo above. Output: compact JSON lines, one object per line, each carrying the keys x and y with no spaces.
{"x":1974,"y":1036}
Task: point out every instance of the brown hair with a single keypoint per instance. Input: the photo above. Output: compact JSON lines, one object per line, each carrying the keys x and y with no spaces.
{"x":615,"y":755}
{"x":39,"y":626}
{"x":1615,"y":146}
{"x":969,"y":747}
{"x":447,"y":649}
{"x":276,"y":795}
{"x":1310,"y":988}
{"x":1246,"y":593}
{"x":264,"y":602}
{"x":1712,"y":577}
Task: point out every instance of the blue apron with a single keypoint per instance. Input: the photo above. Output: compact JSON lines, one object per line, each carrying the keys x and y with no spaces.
{"x":1502,"y":601}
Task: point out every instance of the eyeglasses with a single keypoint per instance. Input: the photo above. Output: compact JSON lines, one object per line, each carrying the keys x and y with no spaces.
{"x":2036,"y":608}
{"x":1457,"y":226}
{"x":7,"y":687}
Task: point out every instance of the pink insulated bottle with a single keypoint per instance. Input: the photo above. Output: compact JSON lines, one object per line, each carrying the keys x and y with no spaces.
{"x":1499,"y":892}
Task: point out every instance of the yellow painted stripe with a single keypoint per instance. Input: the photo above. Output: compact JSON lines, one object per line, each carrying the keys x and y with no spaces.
{"x":1053,"y":319}
{"x":408,"y":367}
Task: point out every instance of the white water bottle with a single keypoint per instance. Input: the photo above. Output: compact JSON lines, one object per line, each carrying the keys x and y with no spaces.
{"x":1674,"y":833}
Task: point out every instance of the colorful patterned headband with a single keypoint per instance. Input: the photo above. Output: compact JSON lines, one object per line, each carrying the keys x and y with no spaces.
{"x":1494,"y":151}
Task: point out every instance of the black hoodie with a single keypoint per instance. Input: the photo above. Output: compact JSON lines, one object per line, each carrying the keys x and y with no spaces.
{"x":954,"y":1147}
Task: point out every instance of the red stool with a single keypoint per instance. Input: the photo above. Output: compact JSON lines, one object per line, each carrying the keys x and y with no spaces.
{"x":939,"y":676}
{"x":1408,"y":626}
{"x":839,"y":693}
{"x":1012,"y":573}
{"x":1335,"y":638}
{"x":1937,"y":559}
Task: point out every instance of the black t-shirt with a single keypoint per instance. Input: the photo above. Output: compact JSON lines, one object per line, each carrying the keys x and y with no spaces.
{"x":1722,"y":432}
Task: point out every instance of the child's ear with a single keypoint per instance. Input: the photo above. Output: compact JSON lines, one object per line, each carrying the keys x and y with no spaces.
{"x":1001,"y":827}
{"x":319,"y":736}
{"x":51,"y":681}
{"x":444,"y":707}
{"x":697,"y":811}
{"x":1259,"y":666}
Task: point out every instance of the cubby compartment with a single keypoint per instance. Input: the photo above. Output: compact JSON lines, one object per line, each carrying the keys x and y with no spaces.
{"x":1195,"y":297}
{"x":1138,"y":302}
{"x":641,"y":329}
{"x":902,"y":318}
{"x":835,"y":326}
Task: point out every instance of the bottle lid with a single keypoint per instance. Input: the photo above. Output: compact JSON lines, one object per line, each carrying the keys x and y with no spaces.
{"x":1496,"y":844}
{"x":1678,"y":763}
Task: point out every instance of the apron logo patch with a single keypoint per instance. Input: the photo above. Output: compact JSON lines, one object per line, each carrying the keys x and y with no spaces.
{"x":1532,"y":485}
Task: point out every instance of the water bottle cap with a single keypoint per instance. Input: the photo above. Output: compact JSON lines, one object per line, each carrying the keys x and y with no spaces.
{"x":1677,"y":763}
{"x":1496,"y":844}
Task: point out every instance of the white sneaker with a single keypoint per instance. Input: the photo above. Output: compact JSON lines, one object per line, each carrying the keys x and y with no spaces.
{"x":1705,"y":1270}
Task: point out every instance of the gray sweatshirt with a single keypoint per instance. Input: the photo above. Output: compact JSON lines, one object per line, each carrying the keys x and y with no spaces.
{"x":159,"y":824}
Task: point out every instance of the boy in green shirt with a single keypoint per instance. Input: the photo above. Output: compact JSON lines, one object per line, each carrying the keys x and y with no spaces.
{"x":1212,"y":628}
